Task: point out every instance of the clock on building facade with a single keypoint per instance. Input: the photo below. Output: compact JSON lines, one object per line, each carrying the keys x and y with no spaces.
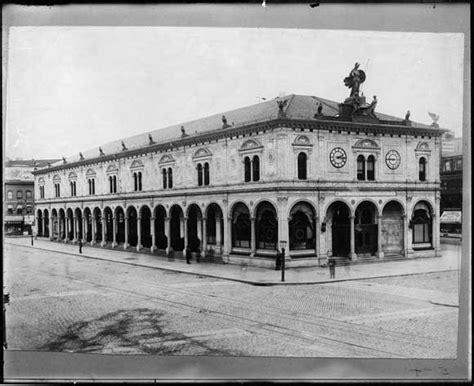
{"x":392,"y":159}
{"x":338,"y":157}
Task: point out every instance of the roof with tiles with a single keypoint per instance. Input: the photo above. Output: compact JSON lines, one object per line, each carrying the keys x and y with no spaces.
{"x":297,"y":107}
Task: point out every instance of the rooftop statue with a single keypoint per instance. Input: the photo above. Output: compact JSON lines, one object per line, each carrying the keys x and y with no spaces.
{"x":183,"y":132}
{"x":354,"y":80}
{"x":150,"y":139}
{"x":281,"y":106}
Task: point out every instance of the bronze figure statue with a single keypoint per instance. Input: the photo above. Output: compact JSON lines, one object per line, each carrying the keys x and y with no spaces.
{"x":81,"y":156}
{"x":101,"y":152}
{"x":150,"y":139}
{"x":123,"y":146}
{"x":354,"y":80}
{"x":183,"y":132}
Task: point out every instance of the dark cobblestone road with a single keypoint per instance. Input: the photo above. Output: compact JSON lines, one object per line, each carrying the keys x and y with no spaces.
{"x":61,"y":302}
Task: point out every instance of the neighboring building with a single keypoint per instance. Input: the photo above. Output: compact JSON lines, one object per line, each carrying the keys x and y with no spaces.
{"x":19,"y":195}
{"x":329,"y":179}
{"x":451,"y":182}
{"x":450,"y":145}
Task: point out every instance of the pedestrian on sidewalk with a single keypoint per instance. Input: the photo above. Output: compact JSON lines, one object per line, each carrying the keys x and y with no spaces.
{"x":188,"y":255}
{"x":80,"y":245}
{"x":332,"y":268}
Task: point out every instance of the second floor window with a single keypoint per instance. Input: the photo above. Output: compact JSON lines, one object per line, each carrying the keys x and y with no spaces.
{"x":252,"y":169}
{"x":57,"y":190}
{"x":91,"y":183}
{"x":19,"y":195}
{"x":137,"y":181}
{"x":29,"y":196}
{"x":167,"y":178}
{"x":366,"y":168}
{"x":10,"y":195}
{"x":361,"y":168}
{"x":302,"y":166}
{"x":422,"y":169}
{"x":73,"y":188}
{"x":41,"y":191}
{"x":113,"y":184}
{"x":203,"y":174}
{"x":371,"y":168}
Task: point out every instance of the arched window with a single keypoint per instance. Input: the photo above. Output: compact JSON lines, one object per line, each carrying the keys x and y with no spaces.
{"x":111,"y":188}
{"x":170,"y":178}
{"x":247,"y":169}
{"x":371,"y":168}
{"x":361,"y":168}
{"x":72,"y":188}
{"x":199,"y":170}
{"x":90,"y":188}
{"x":256,"y":168}
{"x":206,"y":174}
{"x":302,"y":160}
{"x":93,"y":186}
{"x":140,"y":181}
{"x":10,"y":195}
{"x":165,"y":179}
{"x":421,"y":227}
{"x":422,"y":169}
{"x":135,"y":182}
{"x":115,"y":184}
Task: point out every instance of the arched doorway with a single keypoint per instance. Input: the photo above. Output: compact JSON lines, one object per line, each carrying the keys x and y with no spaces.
{"x":109,"y":226}
{"x":339,"y":228}
{"x":160,"y":233}
{"x":61,"y":224}
{"x":55,"y":223}
{"x":145,"y":216}
{"x":365,"y":228}
{"x":266,"y":226}
{"x":214,"y":227}
{"x":79,"y":232}
{"x":39,"y":222}
{"x":176,"y":228}
{"x":120,"y":218}
{"x":98,"y":224}
{"x":241,"y":226}
{"x":46,"y":224}
{"x":422,"y":226}
{"x":88,"y":222}
{"x":132,"y":226}
{"x":302,"y":228}
{"x":71,"y":225}
{"x":194,"y":227}
{"x":392,"y":228}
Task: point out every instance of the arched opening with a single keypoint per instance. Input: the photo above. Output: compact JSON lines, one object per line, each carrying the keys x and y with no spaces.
{"x":266,"y":226}
{"x":392,"y":228}
{"x":206,"y":174}
{"x":214,"y":227}
{"x":132,"y":226}
{"x":194,"y":227}
{"x":39,"y":222}
{"x":302,"y":228}
{"x":46,"y":224}
{"x":371,"y":168}
{"x":98,"y":224}
{"x":241,"y":226}
{"x":365,"y":228}
{"x":247,"y":167}
{"x":302,"y":165}
{"x":88,"y":220}
{"x":361,"y":168}
{"x":79,"y":232}
{"x":199,"y":172}
{"x":160,"y":236}
{"x":422,"y":169}
{"x":120,"y":218}
{"x":170,"y":178}
{"x":71,"y":225}
{"x":339,"y":228}
{"x":145,"y":227}
{"x":422,"y":226}
{"x":176,"y":228}
{"x":256,"y":168}
{"x":109,"y":225}
{"x":165,"y":179}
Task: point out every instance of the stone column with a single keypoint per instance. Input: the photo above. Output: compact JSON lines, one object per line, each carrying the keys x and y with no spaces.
{"x":283,"y":233}
{"x":317,"y":235}
{"x":204,"y":235}
{"x":51,"y":228}
{"x":185,"y":231}
{"x":435,"y":242}
{"x":139,"y":233}
{"x":114,"y":232}
{"x":405,"y":235}
{"x":153,"y":236}
{"x":352,"y":254}
{"x":76,"y":230}
{"x":167,"y":234}
{"x":66,"y":233}
{"x":380,"y":253}
{"x":42,"y":226}
{"x":84,"y":228}
{"x":227,"y":236}
{"x":94,"y":229}
{"x":252,"y":237}
{"x":199,"y":228}
{"x":218,"y":234}
{"x":59,"y":228}
{"x":104,"y":225}
{"x":125,"y":244}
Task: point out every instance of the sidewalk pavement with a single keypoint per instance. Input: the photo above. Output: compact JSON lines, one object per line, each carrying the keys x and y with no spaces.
{"x":450,"y":260}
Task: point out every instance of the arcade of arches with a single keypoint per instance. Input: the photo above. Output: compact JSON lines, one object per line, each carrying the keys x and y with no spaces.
{"x":362,"y":231}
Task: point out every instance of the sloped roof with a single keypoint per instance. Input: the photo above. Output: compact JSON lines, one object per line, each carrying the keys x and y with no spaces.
{"x":297,"y":107}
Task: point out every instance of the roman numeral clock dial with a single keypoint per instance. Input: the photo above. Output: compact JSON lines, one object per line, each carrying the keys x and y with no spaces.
{"x":338,"y":157}
{"x":392,"y":159}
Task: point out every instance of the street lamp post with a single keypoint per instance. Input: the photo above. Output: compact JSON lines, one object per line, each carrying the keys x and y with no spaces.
{"x":282,"y":246}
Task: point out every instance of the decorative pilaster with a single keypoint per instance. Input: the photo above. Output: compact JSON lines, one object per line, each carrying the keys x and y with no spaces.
{"x":185,"y":232}
{"x":317,"y":235}
{"x":139,"y":233}
{"x":167,"y":234}
{"x":252,"y":237}
{"x":204,"y":235}
{"x":94,"y":229}
{"x":104,"y":225}
{"x":352,"y":254}
{"x":114,"y":232}
{"x":380,"y":253}
{"x":218,"y":234}
{"x":125,"y":244}
{"x":153,"y":236}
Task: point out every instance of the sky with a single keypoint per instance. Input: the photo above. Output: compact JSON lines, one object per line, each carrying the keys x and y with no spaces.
{"x":71,"y":89}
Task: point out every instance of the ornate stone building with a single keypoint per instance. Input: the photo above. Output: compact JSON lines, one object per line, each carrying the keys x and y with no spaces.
{"x":329,"y":179}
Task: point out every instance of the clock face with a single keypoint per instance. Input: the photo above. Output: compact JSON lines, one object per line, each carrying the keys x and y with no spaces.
{"x":338,"y":157}
{"x":392,"y":159}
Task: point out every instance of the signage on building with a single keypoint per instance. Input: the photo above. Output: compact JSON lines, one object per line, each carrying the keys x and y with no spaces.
{"x":29,"y":219}
{"x":451,"y":216}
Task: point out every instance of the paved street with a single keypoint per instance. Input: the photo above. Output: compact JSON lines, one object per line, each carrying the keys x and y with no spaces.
{"x":66,"y":302}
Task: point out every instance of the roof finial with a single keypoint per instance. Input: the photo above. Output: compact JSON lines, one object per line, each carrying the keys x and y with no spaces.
{"x":81,"y":156}
{"x":123,"y":146}
{"x":281,"y":106}
{"x":435,"y":118}
{"x":183,"y":132}
{"x":101,"y":151}
{"x":150,"y":139}
{"x":64,"y":161}
{"x":224,"y":122}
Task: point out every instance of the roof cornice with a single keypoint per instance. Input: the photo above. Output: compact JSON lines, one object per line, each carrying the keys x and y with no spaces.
{"x":383,"y":127}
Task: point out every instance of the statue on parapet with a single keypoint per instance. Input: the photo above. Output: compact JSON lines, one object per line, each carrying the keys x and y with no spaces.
{"x":354,"y":80}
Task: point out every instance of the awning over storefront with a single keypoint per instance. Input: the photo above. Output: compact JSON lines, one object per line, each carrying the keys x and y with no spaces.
{"x":451,"y":217}
{"x":12,"y":219}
